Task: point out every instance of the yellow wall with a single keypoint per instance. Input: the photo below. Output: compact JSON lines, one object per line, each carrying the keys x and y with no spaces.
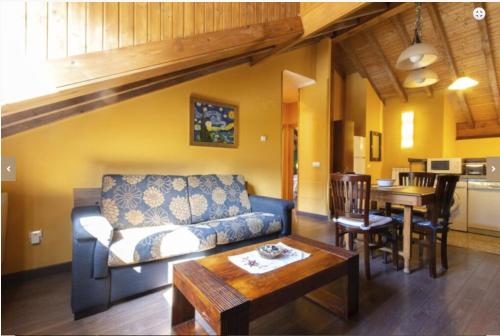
{"x":374,"y":121}
{"x":364,"y":107}
{"x":355,"y":105}
{"x":428,"y":130}
{"x":314,"y":123}
{"x":149,"y":134}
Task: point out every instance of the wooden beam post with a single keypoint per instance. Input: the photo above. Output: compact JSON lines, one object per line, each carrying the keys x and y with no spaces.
{"x":373,"y":22}
{"x":490,"y":60}
{"x":437,"y":22}
{"x":314,"y":21}
{"x":406,"y":40}
{"x":375,"y":46}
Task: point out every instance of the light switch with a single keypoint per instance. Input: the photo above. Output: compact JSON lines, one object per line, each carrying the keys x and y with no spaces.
{"x":36,"y":237}
{"x":316,"y":164}
{"x":263,"y":138}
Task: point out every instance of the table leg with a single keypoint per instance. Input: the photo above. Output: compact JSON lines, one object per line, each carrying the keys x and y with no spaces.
{"x":352,"y":287}
{"x":182,"y":310}
{"x":408,"y":213}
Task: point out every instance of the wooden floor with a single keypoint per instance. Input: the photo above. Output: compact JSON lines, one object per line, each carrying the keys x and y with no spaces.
{"x":464,"y":300}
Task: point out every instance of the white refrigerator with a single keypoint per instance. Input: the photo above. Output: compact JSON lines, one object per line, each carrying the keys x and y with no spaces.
{"x":359,"y":155}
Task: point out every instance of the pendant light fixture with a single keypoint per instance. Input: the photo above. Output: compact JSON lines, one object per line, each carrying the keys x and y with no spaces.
{"x":419,"y":54}
{"x":420,"y":78}
{"x":463,"y":82}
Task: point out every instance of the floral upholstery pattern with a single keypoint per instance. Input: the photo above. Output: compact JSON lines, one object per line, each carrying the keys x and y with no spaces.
{"x":130,"y":201}
{"x":217,"y":196}
{"x":142,"y":244}
{"x":245,"y":226}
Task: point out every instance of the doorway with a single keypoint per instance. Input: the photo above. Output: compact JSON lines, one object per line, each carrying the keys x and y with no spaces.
{"x":291,"y":84}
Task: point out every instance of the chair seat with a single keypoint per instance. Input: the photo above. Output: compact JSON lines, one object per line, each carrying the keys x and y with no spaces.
{"x":374,"y":221}
{"x":427,"y":224}
{"x":399,"y":217}
{"x":399,"y":208}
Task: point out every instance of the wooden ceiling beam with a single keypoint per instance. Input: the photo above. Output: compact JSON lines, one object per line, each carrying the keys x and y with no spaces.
{"x":490,"y":60}
{"x":482,"y":129}
{"x":356,"y":62}
{"x":373,"y":22}
{"x":314,"y":21}
{"x":437,"y":22}
{"x":398,"y":24}
{"x":80,"y":75}
{"x":372,"y":9}
{"x":376,"y":49}
{"x":29,"y":119}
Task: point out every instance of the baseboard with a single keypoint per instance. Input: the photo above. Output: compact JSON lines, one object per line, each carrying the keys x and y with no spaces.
{"x":312,"y":215}
{"x":35,"y":273}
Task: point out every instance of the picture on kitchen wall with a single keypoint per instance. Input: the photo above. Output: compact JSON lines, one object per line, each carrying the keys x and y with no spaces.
{"x":213,"y":123}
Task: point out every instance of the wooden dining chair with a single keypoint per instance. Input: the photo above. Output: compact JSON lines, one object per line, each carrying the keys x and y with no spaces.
{"x":436,"y":228}
{"x":350,"y":195}
{"x":417,"y":179}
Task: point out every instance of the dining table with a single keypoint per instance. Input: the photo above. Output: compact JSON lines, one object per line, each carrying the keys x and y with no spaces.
{"x":408,"y":197}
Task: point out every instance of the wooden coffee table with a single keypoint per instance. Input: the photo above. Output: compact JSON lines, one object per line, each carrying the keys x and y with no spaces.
{"x":228,"y":297}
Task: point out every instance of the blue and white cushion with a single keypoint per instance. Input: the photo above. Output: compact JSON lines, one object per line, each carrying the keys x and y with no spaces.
{"x":246,"y":226}
{"x":129,"y":201}
{"x":142,"y":244}
{"x":217,"y":196}
{"x":374,"y":221}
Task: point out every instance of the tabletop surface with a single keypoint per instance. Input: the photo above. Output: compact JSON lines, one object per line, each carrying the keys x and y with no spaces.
{"x":254,"y":286}
{"x":404,"y":190}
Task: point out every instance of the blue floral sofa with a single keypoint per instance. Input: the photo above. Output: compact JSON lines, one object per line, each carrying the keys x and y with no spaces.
{"x":147,"y":222}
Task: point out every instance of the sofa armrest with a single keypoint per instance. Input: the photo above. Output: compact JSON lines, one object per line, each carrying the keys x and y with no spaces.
{"x":276,"y":206}
{"x":90,"y":226}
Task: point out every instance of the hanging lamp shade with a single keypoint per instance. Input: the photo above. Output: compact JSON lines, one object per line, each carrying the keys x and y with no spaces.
{"x":420,"y":78}
{"x":463,"y":83}
{"x":417,"y":56}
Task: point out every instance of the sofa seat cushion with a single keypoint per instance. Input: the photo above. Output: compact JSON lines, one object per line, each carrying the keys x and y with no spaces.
{"x":246,"y":226}
{"x":142,"y":244}
{"x":217,"y":196}
{"x":130,"y":201}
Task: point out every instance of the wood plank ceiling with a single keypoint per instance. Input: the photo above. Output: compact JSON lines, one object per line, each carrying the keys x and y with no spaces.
{"x":464,"y":44}
{"x":98,"y":53}
{"x":93,"y":50}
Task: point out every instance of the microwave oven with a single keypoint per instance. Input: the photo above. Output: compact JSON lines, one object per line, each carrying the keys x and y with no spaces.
{"x":445,"y":166}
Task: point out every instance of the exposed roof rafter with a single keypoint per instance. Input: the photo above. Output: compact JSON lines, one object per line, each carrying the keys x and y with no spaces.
{"x":439,"y":29}
{"x":375,"y":46}
{"x":356,"y":62}
{"x":490,"y":63}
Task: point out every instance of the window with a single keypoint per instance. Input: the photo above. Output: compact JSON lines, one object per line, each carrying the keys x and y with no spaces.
{"x":407,"y":129}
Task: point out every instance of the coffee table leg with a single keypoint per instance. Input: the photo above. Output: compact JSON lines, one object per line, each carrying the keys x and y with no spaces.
{"x":407,"y":237}
{"x":182,"y":310}
{"x":235,"y":321}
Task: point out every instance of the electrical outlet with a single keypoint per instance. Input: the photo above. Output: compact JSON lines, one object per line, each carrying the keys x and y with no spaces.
{"x":36,"y":237}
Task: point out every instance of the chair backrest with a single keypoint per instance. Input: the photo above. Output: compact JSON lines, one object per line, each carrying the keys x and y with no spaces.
{"x":417,"y":179}
{"x":350,"y":194}
{"x":445,"y":189}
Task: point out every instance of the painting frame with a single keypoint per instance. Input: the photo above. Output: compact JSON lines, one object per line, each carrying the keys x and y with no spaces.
{"x":375,"y":146}
{"x":219,"y":103}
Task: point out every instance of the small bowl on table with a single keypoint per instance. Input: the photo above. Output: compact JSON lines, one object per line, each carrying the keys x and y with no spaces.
{"x":385,"y":182}
{"x":270,"y":251}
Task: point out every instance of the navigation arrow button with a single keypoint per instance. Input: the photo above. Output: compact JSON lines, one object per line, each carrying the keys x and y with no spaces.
{"x":493,"y":169}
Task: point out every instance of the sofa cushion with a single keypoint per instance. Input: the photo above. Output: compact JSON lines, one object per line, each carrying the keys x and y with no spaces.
{"x":245,"y":226}
{"x":142,"y":244}
{"x":145,"y":200}
{"x":217,"y":196}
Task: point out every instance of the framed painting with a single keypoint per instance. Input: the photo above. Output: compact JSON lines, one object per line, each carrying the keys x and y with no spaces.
{"x":213,"y":123}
